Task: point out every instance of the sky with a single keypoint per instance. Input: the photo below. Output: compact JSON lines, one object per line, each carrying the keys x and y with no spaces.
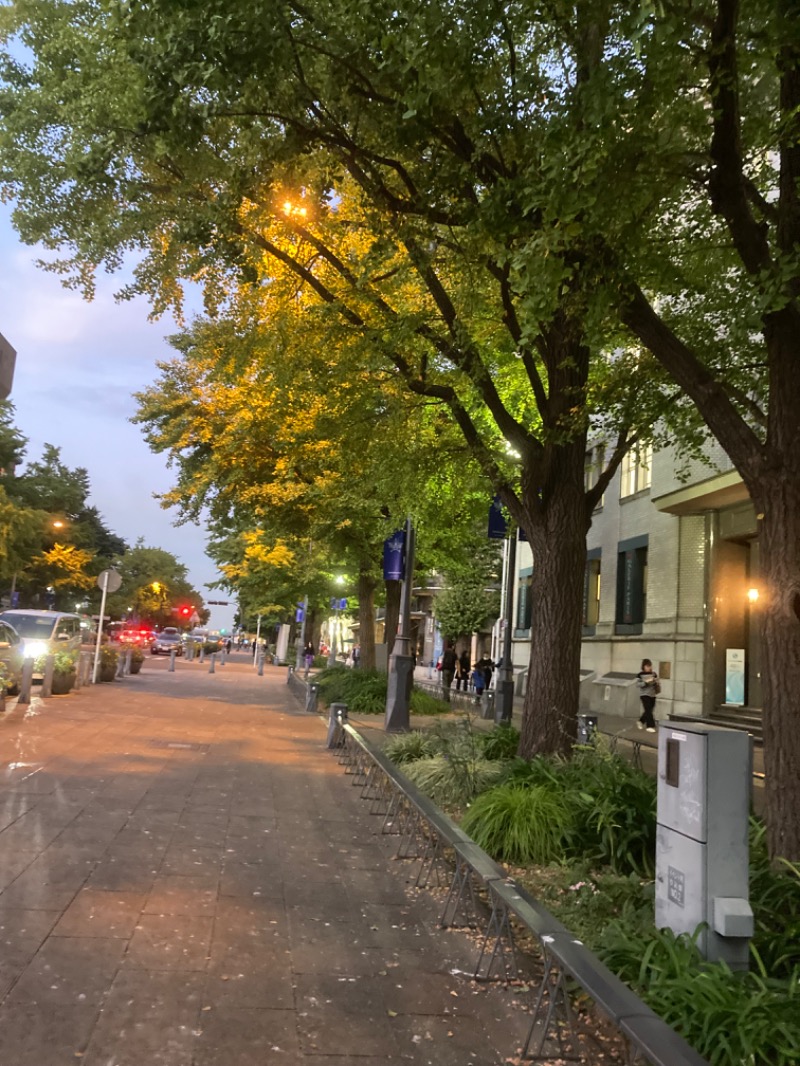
{"x":78,"y":365}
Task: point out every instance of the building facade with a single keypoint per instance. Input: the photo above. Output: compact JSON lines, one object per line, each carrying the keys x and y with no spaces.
{"x":671,"y":575}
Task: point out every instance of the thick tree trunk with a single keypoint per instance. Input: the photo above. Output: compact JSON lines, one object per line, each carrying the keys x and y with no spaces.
{"x":393,"y":590}
{"x":366,"y":619}
{"x":779,"y":606}
{"x":556,"y":529}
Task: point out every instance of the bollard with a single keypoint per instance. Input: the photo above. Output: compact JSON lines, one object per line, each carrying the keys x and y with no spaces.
{"x":261,"y":666}
{"x":47,"y":679}
{"x":338,"y":716}
{"x":311,"y":698}
{"x":487,"y":705}
{"x":202,"y":658}
{"x":587,"y":729}
{"x":128,"y":660}
{"x":222,"y":655}
{"x":26,"y":682}
{"x":212,"y":663}
{"x":173,"y":653}
{"x":289,"y":672}
{"x":120,"y":668}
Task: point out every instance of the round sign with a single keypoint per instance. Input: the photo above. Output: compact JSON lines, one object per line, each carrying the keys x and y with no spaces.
{"x":110,"y":580}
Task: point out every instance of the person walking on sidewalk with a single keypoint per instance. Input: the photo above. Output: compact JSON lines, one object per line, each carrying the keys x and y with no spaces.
{"x":649,"y":688}
{"x":449,"y":660}
{"x":464,"y":668}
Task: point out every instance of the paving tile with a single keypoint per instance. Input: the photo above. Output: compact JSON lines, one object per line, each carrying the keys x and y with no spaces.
{"x":48,"y":1017}
{"x":338,"y":1014}
{"x":170,"y":942}
{"x":251,"y":880}
{"x":104,"y":914}
{"x":184,"y":894}
{"x":150,"y":1018}
{"x":247,"y":1037}
{"x":191,"y":860}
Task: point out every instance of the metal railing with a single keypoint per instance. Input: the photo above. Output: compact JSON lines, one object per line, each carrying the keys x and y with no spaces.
{"x":482,"y":895}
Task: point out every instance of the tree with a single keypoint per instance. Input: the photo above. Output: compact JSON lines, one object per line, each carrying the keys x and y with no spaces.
{"x":142,"y":568}
{"x":422,"y":155}
{"x":280,"y":440}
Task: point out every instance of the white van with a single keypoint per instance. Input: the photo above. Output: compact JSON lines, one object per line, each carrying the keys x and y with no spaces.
{"x":43,"y":632}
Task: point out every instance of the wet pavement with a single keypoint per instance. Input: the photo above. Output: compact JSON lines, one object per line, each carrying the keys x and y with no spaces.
{"x":187,"y":878}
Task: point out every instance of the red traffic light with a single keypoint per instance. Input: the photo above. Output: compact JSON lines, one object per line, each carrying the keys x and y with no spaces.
{"x":186,"y":611}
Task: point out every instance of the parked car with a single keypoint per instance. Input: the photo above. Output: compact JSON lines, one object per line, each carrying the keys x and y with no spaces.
{"x":44,"y":631}
{"x":165,"y":641}
{"x":11,"y":656}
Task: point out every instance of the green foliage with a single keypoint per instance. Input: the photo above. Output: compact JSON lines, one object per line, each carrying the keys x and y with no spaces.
{"x":775,"y":899}
{"x":364,"y":692}
{"x":518,"y":824}
{"x":500,"y":743}
{"x":403,"y":748}
{"x":728,"y":1017}
{"x":452,"y":779}
{"x":64,"y":662}
{"x":5,"y":679}
{"x":423,"y":703}
{"x":109,"y":657}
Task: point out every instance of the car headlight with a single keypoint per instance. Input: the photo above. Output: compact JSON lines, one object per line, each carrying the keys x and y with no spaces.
{"x":34,"y":648}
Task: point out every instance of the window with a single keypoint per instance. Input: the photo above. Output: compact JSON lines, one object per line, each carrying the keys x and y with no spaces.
{"x":591,"y":592}
{"x":524,"y":606}
{"x":593,"y":466}
{"x":635,"y":470}
{"x":631,"y":585}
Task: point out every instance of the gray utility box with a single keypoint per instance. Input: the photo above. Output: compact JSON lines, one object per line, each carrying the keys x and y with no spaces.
{"x":615,"y":693}
{"x":702,"y":854}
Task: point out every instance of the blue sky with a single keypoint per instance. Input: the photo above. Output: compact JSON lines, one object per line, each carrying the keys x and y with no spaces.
{"x":78,"y":365}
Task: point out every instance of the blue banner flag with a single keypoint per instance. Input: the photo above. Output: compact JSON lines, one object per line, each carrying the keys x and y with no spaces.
{"x":342,"y":605}
{"x":498,"y":528}
{"x":394,"y":556}
{"x":299,"y":614}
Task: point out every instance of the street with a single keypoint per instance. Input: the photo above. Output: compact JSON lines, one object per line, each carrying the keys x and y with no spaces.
{"x":188,"y":878}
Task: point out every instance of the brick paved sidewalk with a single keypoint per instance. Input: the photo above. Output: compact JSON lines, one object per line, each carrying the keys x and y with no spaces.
{"x":187,"y":878}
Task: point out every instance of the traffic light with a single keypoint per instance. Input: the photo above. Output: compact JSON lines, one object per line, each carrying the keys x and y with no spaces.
{"x":185,"y":612}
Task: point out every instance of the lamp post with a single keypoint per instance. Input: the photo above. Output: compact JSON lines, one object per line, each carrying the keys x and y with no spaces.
{"x":401,"y":663}
{"x":504,"y":691}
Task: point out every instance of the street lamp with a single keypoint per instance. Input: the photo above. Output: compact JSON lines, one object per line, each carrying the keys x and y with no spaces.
{"x":337,"y":605}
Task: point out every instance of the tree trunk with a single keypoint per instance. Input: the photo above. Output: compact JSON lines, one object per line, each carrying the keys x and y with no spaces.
{"x":366,"y":619}
{"x":393,"y":590}
{"x":779,"y":605}
{"x":556,"y":529}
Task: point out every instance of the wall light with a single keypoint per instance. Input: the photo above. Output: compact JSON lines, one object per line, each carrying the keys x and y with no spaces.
{"x":752,"y":595}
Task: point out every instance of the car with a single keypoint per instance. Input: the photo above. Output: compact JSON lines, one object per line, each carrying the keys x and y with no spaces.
{"x":166,"y":641}
{"x":11,"y":657}
{"x":44,"y":631}
{"x":137,"y":635}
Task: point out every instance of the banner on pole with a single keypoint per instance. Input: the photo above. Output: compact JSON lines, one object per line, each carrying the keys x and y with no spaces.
{"x":393,"y":556}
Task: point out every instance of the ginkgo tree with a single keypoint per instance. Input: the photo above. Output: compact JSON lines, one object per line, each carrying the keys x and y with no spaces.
{"x":418,"y":137}
{"x":312,"y":458}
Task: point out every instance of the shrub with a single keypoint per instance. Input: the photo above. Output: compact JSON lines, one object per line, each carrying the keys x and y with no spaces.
{"x":364,"y":691}
{"x":775,"y":899}
{"x":63,"y":662}
{"x":501,"y":743}
{"x":518,"y":824}
{"x":404,"y":748}
{"x":452,"y":782}
{"x":728,"y":1017}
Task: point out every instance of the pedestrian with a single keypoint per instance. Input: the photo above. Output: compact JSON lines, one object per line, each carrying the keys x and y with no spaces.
{"x":649,"y":688}
{"x":485,"y":665}
{"x":464,"y":668}
{"x":478,"y":683}
{"x":449,"y":661}
{"x":228,"y":645}
{"x":356,"y":655}
{"x":308,"y":656}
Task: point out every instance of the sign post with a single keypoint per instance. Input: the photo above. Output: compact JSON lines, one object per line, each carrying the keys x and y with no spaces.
{"x":107,"y":581}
